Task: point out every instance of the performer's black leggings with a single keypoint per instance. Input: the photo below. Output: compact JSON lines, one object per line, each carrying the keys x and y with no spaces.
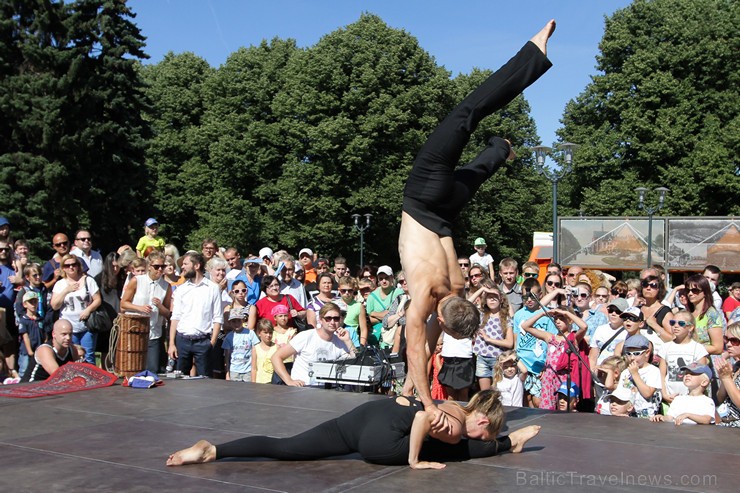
{"x":377,"y":430}
{"x":435,"y":191}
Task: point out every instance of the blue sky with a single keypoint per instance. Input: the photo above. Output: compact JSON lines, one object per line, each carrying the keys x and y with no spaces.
{"x":460,"y":35}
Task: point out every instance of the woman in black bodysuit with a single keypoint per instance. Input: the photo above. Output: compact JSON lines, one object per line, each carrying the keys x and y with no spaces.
{"x":393,"y":431}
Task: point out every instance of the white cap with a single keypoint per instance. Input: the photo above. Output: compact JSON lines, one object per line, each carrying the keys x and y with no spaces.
{"x":385,"y":269}
{"x":623,"y":394}
{"x":307,"y":251}
{"x":266,"y":252}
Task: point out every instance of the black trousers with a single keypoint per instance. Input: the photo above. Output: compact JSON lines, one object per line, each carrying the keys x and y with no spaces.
{"x":435,"y":191}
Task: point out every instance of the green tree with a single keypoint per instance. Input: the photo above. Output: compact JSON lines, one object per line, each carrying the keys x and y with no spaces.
{"x":663,"y":111}
{"x":72,"y":135}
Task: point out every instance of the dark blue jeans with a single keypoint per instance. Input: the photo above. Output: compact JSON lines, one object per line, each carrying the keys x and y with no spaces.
{"x":188,"y":349}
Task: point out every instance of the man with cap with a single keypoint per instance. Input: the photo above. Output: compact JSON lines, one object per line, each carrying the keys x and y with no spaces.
{"x":696,"y":407}
{"x":150,"y":240}
{"x":606,"y":337}
{"x":380,"y":301}
{"x":267,"y":256}
{"x":641,"y":378}
{"x":482,"y":258}
{"x":305,"y":257}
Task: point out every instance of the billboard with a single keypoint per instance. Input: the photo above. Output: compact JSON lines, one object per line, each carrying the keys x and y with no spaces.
{"x":679,"y":243}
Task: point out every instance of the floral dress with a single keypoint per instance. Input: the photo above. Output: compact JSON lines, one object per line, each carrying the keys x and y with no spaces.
{"x":555,"y":372}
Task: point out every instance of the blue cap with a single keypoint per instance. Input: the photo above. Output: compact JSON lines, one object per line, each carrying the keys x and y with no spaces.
{"x":697,"y":369}
{"x":636,"y":341}
{"x":564,"y":389}
{"x":149,"y":222}
{"x":3,"y":221}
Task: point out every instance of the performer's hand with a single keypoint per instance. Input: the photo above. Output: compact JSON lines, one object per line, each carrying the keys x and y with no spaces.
{"x":423,"y":464}
{"x":440,"y":421}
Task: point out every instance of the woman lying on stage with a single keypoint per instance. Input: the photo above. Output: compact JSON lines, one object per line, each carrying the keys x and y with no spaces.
{"x":394,"y":431}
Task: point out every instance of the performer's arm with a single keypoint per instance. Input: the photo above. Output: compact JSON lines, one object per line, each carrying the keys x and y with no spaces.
{"x":419,"y":430}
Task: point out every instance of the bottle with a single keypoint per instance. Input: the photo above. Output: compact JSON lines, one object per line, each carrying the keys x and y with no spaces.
{"x":170,"y":365}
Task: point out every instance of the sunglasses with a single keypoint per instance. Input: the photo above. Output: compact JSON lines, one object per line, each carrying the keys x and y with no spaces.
{"x":571,"y":275}
{"x":554,"y":283}
{"x":649,"y":284}
{"x":476,"y":275}
{"x":365,"y":290}
{"x":613,"y":310}
{"x":464,"y":265}
{"x":332,"y":319}
{"x":582,"y":296}
{"x":634,"y":354}
{"x":4,"y":249}
{"x":157,"y":266}
{"x":603,"y":295}
{"x":84,"y":239}
{"x":530,"y":275}
{"x":345,"y":291}
{"x":70,"y":266}
{"x":61,"y":243}
{"x":239,"y":291}
{"x":695,"y":290}
{"x":402,"y":281}
{"x":732,"y":341}
{"x":631,"y":318}
{"x":680,"y":323}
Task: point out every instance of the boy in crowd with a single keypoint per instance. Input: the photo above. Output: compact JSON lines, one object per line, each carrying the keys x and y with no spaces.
{"x":508,"y":271}
{"x":640,"y":379}
{"x":480,"y":256}
{"x":30,"y":330}
{"x":696,"y":407}
{"x":565,"y":393}
{"x":606,"y":337}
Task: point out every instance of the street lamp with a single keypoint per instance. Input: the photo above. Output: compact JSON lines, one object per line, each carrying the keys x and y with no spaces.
{"x":650,"y":211}
{"x":361,"y":228}
{"x":555,"y":175}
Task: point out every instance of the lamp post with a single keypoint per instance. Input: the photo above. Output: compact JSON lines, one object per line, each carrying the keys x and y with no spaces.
{"x":555,"y":175}
{"x":650,"y":211}
{"x":361,"y":228}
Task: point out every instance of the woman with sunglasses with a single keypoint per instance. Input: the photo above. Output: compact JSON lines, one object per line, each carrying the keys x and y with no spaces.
{"x":708,"y":319}
{"x":355,"y":321}
{"x":553,"y":291}
{"x":77,"y":296}
{"x":657,"y":316}
{"x":329,"y":341}
{"x":729,"y":375}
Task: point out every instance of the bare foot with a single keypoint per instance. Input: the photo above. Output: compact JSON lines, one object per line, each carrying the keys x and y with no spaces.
{"x":520,"y":437}
{"x":199,"y":453}
{"x":540,"y":39}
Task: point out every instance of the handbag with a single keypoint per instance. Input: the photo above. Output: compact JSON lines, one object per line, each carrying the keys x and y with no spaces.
{"x":99,"y":320}
{"x":300,"y":323}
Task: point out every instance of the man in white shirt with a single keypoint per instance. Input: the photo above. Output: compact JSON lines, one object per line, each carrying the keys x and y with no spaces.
{"x":196,"y":317}
{"x":83,"y":249}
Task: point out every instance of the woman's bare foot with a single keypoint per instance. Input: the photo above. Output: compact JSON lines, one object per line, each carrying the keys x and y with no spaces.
{"x":199,"y":453}
{"x":520,"y":437}
{"x":540,"y":39}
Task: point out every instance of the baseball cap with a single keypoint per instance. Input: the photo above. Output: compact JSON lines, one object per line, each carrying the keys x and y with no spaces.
{"x":621,"y":393}
{"x":620,"y":303}
{"x":266,"y":252}
{"x":694,"y":368}
{"x":151,"y":221}
{"x":3,"y":221}
{"x":385,"y":269}
{"x":572,"y":392}
{"x":480,"y":242}
{"x":634,"y":312}
{"x":30,"y":295}
{"x":636,"y":341}
{"x":279,"y":310}
{"x":307,"y":251}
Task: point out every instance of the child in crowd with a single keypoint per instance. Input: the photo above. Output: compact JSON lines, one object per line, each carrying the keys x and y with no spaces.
{"x":620,"y":403}
{"x":355,"y":321}
{"x":633,"y":321}
{"x":633,"y":291}
{"x":507,"y":380}
{"x":494,"y":335}
{"x":438,"y":390}
{"x":262,"y":370}
{"x":33,"y":284}
{"x":458,"y":367}
{"x":606,"y":337}
{"x":608,"y":372}
{"x":558,"y":362}
{"x":282,"y":334}
{"x":641,"y":379}
{"x":150,"y":238}
{"x":564,"y":394}
{"x":30,"y":330}
{"x":680,"y":352}
{"x":237,"y":347}
{"x":696,"y":407}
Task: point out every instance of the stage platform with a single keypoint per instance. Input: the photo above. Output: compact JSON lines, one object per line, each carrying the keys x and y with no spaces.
{"x":117,"y":439}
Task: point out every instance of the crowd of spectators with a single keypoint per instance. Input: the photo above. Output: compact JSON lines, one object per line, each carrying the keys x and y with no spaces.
{"x":573,"y":340}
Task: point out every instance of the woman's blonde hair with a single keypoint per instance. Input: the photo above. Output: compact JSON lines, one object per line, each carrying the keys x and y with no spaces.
{"x":734,"y":329}
{"x":488,"y":403}
{"x":618,"y":363}
{"x":69,"y":256}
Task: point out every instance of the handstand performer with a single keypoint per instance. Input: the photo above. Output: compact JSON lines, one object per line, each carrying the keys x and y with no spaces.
{"x":434,"y":195}
{"x":388,"y":431}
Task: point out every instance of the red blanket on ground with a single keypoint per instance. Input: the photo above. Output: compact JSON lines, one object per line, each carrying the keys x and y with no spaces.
{"x":71,"y":377}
